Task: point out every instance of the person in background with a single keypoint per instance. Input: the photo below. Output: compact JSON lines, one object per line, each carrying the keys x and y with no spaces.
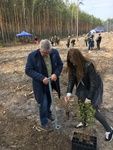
{"x":52,"y":40}
{"x":89,"y":87}
{"x":98,"y":41}
{"x":55,"y":40}
{"x":89,"y":43}
{"x":58,"y":40}
{"x":36,"y":40}
{"x":92,"y":43}
{"x":86,"y":40}
{"x":68,"y":41}
{"x":72,"y":42}
{"x":41,"y":64}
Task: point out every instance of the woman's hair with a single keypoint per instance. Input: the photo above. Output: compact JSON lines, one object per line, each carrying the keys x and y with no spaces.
{"x":75,"y":58}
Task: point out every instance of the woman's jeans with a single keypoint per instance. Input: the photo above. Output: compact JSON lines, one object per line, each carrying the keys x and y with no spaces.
{"x":102,"y":120}
{"x":44,"y":109}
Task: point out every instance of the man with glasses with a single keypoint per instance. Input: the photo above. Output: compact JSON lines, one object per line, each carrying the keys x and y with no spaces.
{"x":41,"y":64}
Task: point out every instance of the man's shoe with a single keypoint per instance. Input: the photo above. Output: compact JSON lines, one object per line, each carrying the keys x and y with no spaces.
{"x":109,"y":136}
{"x":47,"y":127}
{"x":81,"y":125}
{"x":51,"y":118}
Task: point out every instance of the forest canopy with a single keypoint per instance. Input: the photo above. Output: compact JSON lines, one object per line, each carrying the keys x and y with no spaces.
{"x":43,"y":18}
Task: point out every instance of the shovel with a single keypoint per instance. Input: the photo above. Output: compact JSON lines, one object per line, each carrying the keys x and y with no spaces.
{"x":56,"y":126}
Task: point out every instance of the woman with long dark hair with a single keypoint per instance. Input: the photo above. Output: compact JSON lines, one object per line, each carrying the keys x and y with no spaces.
{"x":89,"y":86}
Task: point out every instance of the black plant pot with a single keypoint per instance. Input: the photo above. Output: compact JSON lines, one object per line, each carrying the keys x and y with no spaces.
{"x":84,"y":142}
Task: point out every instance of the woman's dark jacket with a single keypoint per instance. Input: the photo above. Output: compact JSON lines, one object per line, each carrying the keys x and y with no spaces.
{"x":36,"y":69}
{"x":91,"y":86}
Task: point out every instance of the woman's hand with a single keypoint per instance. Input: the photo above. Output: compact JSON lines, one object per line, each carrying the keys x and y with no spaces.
{"x":67,"y":98}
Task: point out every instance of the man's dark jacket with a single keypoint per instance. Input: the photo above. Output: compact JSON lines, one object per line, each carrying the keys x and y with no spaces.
{"x":36,"y":69}
{"x":90,"y":86}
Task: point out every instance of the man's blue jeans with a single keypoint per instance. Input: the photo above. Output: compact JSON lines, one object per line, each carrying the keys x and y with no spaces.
{"x":44,"y":109}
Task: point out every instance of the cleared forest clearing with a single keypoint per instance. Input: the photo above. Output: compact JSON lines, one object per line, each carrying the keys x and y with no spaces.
{"x":19,"y":122}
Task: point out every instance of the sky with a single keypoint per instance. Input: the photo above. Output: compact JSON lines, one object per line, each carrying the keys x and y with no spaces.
{"x":102,"y":9}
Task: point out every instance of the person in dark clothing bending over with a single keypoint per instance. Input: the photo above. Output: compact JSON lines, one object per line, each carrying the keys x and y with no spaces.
{"x":43,"y":63}
{"x":89,"y":87}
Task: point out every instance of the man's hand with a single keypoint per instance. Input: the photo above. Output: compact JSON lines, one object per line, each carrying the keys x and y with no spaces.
{"x":45,"y":81}
{"x":53,"y":77}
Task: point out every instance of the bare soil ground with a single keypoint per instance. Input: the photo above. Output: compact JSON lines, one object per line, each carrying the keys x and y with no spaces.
{"x":19,"y":120}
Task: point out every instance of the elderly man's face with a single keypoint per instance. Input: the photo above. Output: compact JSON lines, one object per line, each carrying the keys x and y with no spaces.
{"x":45,"y":52}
